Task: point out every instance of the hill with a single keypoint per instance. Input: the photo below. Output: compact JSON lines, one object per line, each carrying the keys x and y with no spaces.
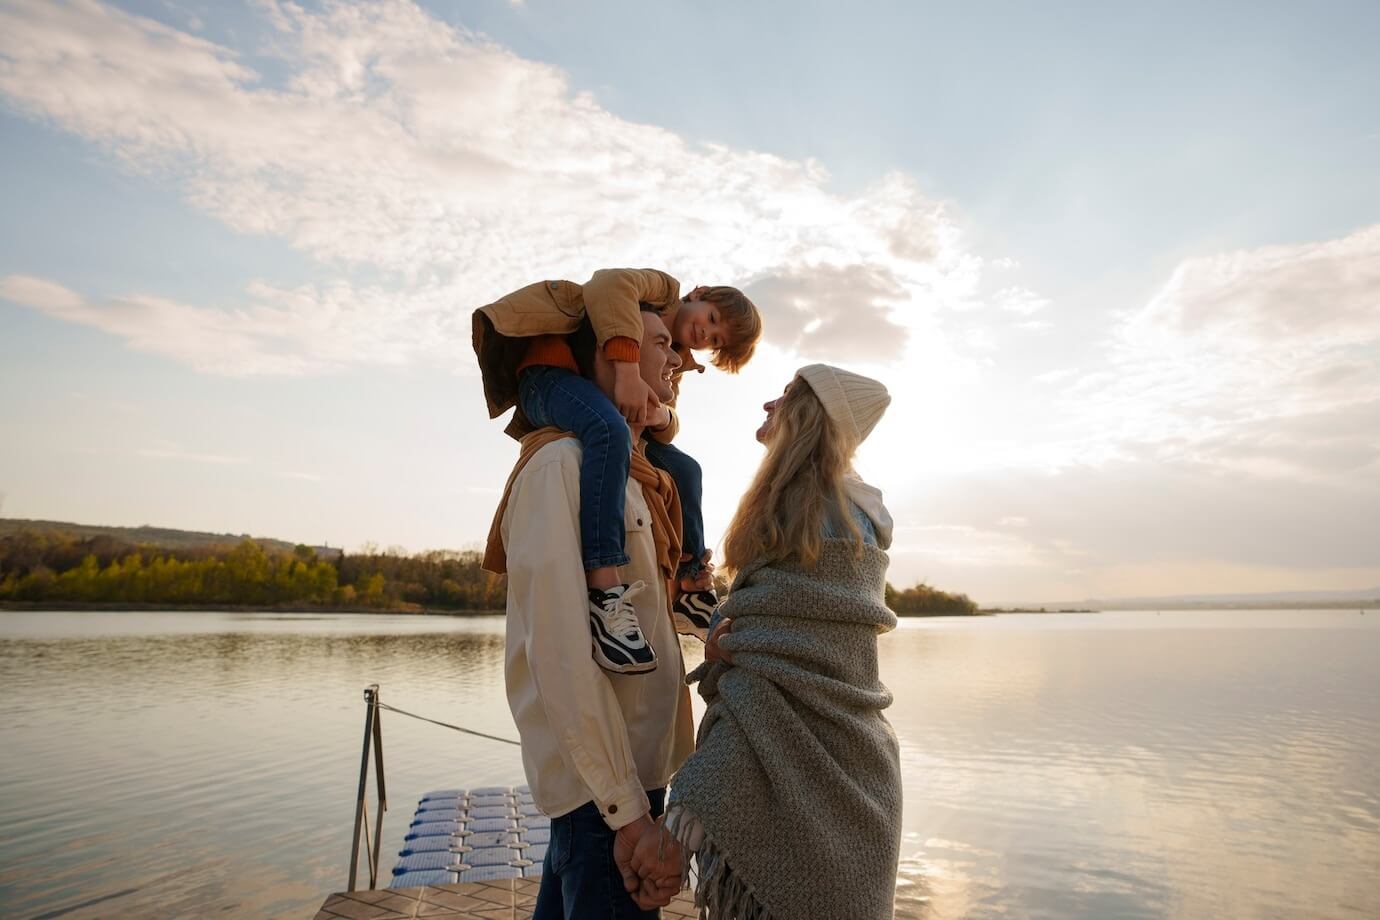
{"x":62,"y":563}
{"x":165,"y":537}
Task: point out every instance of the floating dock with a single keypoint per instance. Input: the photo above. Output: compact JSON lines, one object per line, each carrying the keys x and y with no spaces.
{"x":473,"y":853}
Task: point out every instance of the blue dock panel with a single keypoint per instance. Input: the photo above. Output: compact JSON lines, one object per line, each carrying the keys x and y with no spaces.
{"x":473,"y":835}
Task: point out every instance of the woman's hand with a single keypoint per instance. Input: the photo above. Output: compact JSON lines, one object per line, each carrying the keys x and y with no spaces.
{"x":712,"y":652}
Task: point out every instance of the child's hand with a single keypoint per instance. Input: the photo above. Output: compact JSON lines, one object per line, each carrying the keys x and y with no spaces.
{"x":658,"y":416}
{"x":712,"y":652}
{"x":631,"y":394}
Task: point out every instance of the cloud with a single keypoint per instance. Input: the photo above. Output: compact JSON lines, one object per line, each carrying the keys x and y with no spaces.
{"x":833,"y":312}
{"x":963,"y":546}
{"x":383,"y":142}
{"x":257,"y":340}
{"x":40,"y":294}
{"x":1228,"y":429}
{"x":1319,"y":294}
{"x":1020,"y":301}
{"x":1273,"y":352}
{"x":216,"y":459}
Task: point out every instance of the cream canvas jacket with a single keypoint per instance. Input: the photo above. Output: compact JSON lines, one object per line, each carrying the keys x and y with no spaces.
{"x":587,"y":735}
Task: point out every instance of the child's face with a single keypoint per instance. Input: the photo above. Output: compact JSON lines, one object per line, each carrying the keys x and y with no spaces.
{"x":699,"y":324}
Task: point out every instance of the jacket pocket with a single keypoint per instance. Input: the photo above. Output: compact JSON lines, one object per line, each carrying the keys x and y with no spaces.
{"x":636,"y":517}
{"x":534,"y":298}
{"x":569,"y":297}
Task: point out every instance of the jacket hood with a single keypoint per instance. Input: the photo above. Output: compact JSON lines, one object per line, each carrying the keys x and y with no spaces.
{"x":869,"y":499}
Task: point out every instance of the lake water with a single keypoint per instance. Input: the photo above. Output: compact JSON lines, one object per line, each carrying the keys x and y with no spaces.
{"x":1118,"y":765}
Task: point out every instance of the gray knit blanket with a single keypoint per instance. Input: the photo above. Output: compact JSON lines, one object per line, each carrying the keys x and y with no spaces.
{"x":795,"y":782}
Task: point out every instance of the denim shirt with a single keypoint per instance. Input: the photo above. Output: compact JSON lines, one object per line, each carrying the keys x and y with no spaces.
{"x":832,"y":529}
{"x":835,"y":530}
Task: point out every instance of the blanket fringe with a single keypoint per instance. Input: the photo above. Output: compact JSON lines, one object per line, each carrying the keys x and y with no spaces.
{"x":719,"y":893}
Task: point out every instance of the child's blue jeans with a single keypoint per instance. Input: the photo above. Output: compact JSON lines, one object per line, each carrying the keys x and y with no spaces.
{"x":560,"y":397}
{"x":685,"y":470}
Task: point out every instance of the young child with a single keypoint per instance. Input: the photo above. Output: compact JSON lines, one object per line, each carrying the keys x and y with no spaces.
{"x":532,"y":355}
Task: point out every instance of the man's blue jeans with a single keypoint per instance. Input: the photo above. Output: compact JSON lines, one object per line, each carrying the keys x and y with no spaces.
{"x":578,"y":879}
{"x":559,"y":397}
{"x":685,"y":470}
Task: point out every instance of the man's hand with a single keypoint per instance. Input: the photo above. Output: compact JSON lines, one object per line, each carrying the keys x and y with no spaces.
{"x":656,"y":894}
{"x":624,"y":843}
{"x":650,"y":867}
{"x":657,"y":860}
{"x":631,"y":394}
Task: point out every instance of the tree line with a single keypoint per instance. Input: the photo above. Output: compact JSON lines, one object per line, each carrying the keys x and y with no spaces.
{"x":46,"y":567}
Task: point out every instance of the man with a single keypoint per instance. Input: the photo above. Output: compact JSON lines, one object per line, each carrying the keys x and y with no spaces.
{"x":597,"y":748}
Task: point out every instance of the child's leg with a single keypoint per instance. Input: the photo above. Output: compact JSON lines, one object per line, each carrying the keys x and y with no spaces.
{"x":559,"y":397}
{"x":556,"y":396}
{"x":689,"y":478}
{"x":695,"y":602}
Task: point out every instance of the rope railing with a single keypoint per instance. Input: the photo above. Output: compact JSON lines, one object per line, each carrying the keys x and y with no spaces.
{"x":458,"y":728}
{"x":373,"y":739}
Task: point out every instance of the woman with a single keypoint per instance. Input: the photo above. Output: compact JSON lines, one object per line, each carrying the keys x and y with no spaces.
{"x":792,"y":799}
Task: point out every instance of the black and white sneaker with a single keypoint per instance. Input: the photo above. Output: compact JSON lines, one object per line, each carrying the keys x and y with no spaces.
{"x":692,"y":612}
{"x":619,"y":645}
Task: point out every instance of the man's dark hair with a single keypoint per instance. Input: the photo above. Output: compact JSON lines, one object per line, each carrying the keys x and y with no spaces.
{"x":583,"y":345}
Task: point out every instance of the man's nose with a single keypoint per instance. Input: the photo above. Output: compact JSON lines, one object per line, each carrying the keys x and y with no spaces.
{"x":675,"y":360}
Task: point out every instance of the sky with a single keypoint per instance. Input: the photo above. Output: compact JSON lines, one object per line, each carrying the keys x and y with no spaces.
{"x":1119,"y":264}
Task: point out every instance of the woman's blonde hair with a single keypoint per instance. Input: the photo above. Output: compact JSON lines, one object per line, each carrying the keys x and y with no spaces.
{"x":798,"y":485}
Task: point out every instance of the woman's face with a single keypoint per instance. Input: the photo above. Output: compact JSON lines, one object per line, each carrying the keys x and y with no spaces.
{"x":770,"y":409}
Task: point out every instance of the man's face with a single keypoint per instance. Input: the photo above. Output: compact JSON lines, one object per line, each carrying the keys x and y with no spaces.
{"x":699,"y":324}
{"x":659,"y":359}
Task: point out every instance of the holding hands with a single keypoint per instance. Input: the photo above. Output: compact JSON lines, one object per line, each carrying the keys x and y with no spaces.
{"x":650,"y":861}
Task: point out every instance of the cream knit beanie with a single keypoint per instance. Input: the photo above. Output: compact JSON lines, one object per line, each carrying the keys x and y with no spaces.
{"x":853,"y":401}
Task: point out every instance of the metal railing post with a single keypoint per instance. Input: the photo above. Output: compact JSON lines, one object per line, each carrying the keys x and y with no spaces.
{"x":381,"y":795}
{"x":373,"y":732}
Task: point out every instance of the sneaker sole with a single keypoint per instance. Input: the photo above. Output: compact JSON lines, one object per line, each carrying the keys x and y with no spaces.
{"x":692,"y":615}
{"x":688,"y":627}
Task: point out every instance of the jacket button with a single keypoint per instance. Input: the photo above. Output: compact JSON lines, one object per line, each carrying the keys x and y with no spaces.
{"x":613,"y":809}
{"x":554,"y":285}
{"x":639,"y":522}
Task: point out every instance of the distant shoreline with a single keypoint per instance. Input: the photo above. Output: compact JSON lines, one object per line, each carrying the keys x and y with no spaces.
{"x":992,"y":611}
{"x":75,"y":607}
{"x":115,"y":607}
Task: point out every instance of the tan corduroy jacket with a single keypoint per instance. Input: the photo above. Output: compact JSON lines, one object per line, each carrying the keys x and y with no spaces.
{"x":610,"y":300}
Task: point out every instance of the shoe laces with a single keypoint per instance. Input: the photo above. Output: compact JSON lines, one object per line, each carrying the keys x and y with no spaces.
{"x":623,"y":617}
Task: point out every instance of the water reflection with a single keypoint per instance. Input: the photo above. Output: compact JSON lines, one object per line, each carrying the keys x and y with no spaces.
{"x":1141,"y":767}
{"x":1114,"y":766}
